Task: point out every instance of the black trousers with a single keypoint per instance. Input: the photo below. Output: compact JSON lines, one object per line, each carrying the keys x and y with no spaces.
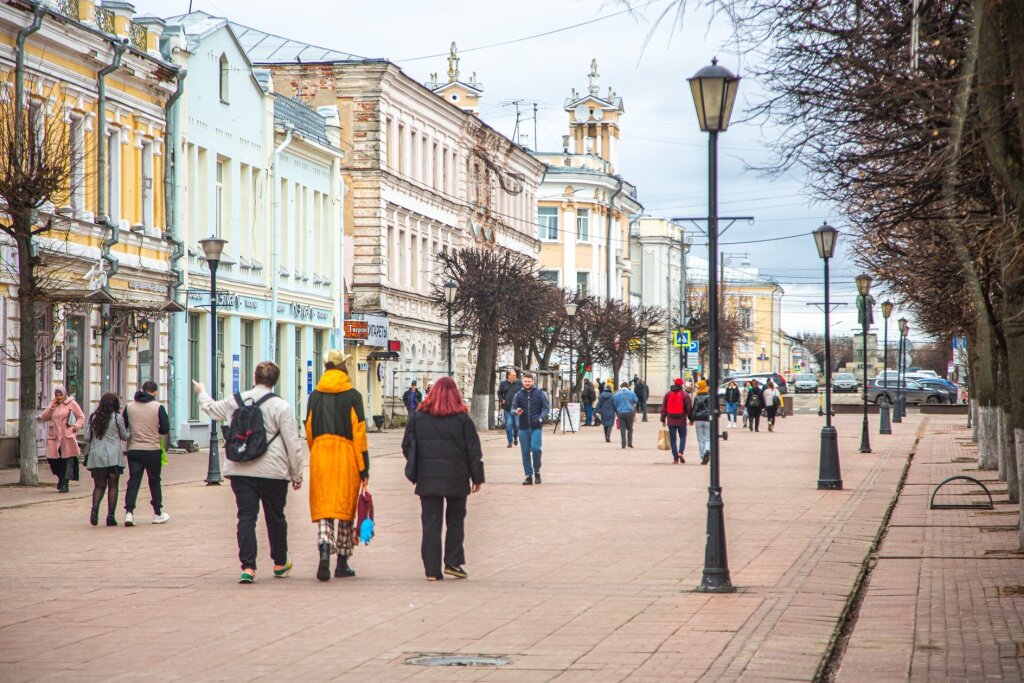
{"x":140,"y":462}
{"x":273,"y":494}
{"x":433,"y":510}
{"x":754,"y":419}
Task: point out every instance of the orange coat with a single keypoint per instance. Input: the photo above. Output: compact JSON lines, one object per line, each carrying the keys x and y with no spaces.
{"x":338,"y":457}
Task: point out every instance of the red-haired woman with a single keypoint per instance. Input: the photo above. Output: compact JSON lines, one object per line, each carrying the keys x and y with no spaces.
{"x":447,"y":459}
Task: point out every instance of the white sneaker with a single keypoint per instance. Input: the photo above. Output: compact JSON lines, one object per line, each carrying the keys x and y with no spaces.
{"x":129,"y":519}
{"x":161,"y":518}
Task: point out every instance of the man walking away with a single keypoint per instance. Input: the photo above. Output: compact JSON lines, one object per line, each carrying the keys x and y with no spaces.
{"x":531,"y":406}
{"x":701,"y":419}
{"x":643,"y":392}
{"x":587,"y":397}
{"x":412,"y":398}
{"x":507,"y":391}
{"x":625,"y":402}
{"x":755,"y":403}
{"x":675,"y":411}
{"x":263,"y":479}
{"x":148,"y":423}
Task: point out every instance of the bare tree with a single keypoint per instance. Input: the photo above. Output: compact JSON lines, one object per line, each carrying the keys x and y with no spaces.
{"x":36,"y":159}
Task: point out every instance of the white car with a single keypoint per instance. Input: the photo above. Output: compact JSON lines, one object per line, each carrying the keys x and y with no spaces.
{"x":807,"y":381}
{"x":844,"y":381}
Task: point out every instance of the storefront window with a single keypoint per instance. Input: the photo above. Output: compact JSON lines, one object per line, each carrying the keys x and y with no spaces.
{"x":247,"y":366}
{"x":74,"y":358}
{"x":300,"y":376}
{"x":318,"y":354}
{"x":147,"y":354}
{"x":193,"y":363}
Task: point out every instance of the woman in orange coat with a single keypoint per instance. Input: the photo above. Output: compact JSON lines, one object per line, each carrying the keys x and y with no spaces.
{"x":338,"y":463}
{"x":65,"y":419}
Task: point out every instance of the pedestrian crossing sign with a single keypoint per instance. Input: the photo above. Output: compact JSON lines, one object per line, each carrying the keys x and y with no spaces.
{"x":681,"y":338}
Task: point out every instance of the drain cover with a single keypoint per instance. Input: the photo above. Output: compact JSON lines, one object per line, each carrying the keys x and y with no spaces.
{"x":457,"y":660}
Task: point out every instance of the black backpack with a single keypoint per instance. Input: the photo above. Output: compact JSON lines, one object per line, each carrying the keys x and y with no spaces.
{"x":245,"y":438}
{"x":701,"y":408}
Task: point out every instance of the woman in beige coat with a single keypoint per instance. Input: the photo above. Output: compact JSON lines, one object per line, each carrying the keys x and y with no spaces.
{"x":65,"y":419}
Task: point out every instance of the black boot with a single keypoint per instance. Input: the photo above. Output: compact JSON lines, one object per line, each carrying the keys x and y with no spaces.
{"x":343,"y":571}
{"x":111,"y":519}
{"x":323,"y":572}
{"x":94,"y":516}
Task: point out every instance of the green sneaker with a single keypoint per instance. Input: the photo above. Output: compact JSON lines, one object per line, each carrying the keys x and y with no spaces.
{"x":283,"y":571}
{"x":247,"y":577}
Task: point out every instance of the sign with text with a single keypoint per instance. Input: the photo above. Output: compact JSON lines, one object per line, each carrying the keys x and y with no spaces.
{"x":378,"y":330}
{"x":356,"y":329}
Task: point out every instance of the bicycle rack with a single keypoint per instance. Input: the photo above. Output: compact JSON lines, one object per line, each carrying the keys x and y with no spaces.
{"x":961,"y":506}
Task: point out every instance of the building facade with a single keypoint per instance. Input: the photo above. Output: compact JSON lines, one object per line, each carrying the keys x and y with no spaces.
{"x":261,"y":171}
{"x":106,"y":264}
{"x":423,"y":176}
{"x":585,"y":207}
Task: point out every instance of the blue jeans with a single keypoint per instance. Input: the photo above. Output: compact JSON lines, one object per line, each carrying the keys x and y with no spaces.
{"x":731,"y":410}
{"x":529,"y":442}
{"x":511,"y":426}
{"x":675,"y":433}
{"x":588,"y":410}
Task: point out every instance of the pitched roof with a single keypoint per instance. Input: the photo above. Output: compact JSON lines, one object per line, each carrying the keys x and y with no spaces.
{"x":268,"y":48}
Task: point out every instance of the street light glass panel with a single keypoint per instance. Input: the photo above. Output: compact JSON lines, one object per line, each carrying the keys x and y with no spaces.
{"x":451,"y":288}
{"x":714,"y":91}
{"x":825,"y":239}
{"x":886,"y":309}
{"x":903,"y":325}
{"x":212,"y":247}
{"x":863,"y":284}
{"x":570,"y":309}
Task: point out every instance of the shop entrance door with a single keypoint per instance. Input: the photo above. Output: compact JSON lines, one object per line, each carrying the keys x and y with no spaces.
{"x":119,"y":368}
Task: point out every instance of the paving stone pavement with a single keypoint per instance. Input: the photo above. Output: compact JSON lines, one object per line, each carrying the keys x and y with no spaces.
{"x":588,"y":577}
{"x":940,"y":602}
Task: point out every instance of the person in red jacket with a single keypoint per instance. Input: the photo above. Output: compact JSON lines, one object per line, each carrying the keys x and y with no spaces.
{"x":675,"y":411}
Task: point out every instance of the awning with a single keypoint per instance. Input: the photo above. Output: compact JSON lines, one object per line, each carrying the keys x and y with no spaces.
{"x":383,"y":355}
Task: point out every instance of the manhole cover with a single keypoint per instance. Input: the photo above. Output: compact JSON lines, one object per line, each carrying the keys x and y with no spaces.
{"x":457,"y":660}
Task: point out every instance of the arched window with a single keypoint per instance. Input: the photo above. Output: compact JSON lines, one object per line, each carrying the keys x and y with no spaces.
{"x":224,"y":71}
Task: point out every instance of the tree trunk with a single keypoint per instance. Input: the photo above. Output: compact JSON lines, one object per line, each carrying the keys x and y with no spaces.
{"x":493,"y":393}
{"x":28,"y":307}
{"x":482,"y":380}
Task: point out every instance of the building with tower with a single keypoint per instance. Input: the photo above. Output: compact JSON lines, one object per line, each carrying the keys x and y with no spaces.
{"x":463,"y":94}
{"x":585,"y":207}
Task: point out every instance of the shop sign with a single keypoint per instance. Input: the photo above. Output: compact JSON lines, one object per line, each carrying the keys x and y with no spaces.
{"x":378,"y":330}
{"x":147,"y":286}
{"x":394,"y":345}
{"x":356,"y":329}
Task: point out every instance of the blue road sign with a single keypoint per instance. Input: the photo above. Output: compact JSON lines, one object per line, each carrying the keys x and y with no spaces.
{"x":694,"y":346}
{"x":681,"y":338}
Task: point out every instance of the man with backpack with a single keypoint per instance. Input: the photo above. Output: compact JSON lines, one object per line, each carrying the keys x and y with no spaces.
{"x":675,"y":411}
{"x":263,"y":453}
{"x":754,"y":405}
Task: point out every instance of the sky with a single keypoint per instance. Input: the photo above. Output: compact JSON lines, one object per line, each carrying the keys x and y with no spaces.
{"x":662,"y":150}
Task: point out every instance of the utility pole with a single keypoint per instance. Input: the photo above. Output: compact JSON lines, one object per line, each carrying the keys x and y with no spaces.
{"x":536,"y":143}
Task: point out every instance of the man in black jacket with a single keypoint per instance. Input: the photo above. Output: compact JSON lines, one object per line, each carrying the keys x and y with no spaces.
{"x":531,"y":405}
{"x":507,"y":391}
{"x":412,"y":398}
{"x":643,"y":392}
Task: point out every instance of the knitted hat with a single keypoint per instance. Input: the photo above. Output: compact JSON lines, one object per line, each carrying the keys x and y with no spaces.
{"x":702,"y":387}
{"x":678,"y":381}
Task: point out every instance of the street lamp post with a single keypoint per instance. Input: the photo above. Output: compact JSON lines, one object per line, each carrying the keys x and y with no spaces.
{"x":901,"y":400}
{"x":863,"y":289}
{"x":885,"y":425}
{"x":451,"y":288}
{"x":570,"y":310}
{"x":212,"y":249}
{"x":829,"y":474}
{"x":714,"y":94}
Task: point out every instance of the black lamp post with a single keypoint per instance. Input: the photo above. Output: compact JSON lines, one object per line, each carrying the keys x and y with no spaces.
{"x":451,"y":288}
{"x":714,"y":94}
{"x":863,"y":289}
{"x":901,"y":372}
{"x":885,"y":425}
{"x":212,"y":249}
{"x":829,"y":474}
{"x":570,"y":310}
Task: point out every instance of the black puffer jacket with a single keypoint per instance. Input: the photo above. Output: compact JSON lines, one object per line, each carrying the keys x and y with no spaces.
{"x":448,"y":454}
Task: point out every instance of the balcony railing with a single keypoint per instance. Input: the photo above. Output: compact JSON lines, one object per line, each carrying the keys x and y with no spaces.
{"x":137,"y":35}
{"x":69,"y":8}
{"x":104,"y":20}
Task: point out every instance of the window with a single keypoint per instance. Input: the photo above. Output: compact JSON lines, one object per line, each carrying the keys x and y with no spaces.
{"x":193,"y":363}
{"x":74,"y":358}
{"x":221,"y":349}
{"x":400,"y":144}
{"x":549,"y":275}
{"x":318,"y":354}
{"x":147,"y":184}
{"x":114,"y":175}
{"x":246,"y":347}
{"x":278,"y":333}
{"x":547,"y":222}
{"x":389,"y":142}
{"x":582,"y":283}
{"x":219,"y":200}
{"x":298,"y":374}
{"x":745,"y":365}
{"x":582,"y":225}
{"x":147,"y":354}
{"x":77,"y":148}
{"x":225,"y":71}
{"x":745,"y":318}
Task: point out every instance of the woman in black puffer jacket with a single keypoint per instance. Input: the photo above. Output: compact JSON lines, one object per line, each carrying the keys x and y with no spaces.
{"x":447,"y":467}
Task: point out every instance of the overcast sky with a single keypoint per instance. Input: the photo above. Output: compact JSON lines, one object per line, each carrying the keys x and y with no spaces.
{"x":663,"y":152}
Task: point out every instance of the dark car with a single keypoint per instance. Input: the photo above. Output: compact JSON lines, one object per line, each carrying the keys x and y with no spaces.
{"x":952,"y":392}
{"x":912,"y":392}
{"x":845,"y":381}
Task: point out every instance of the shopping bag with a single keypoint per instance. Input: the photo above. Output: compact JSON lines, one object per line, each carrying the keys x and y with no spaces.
{"x":663,"y":444}
{"x":364,"y":527}
{"x":163,"y":454}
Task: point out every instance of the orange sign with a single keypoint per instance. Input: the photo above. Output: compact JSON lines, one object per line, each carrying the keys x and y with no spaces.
{"x":357,"y":329}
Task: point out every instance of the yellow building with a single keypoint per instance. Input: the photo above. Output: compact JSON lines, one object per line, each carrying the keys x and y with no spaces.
{"x":584,"y":206}
{"x":106,"y":266}
{"x":756,"y":300}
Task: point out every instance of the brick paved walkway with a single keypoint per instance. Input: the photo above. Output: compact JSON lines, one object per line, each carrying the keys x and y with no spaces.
{"x":588,"y":577}
{"x":939,"y":605}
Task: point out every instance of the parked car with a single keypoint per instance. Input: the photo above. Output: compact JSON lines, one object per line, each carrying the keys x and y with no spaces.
{"x":846,"y":381}
{"x":912,"y":392}
{"x":952,"y":390}
{"x":926,"y":373}
{"x":806,"y":381}
{"x":775,"y":377}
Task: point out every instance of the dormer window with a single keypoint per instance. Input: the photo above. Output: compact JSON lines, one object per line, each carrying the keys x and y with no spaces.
{"x":455,"y":97}
{"x":224,"y":71}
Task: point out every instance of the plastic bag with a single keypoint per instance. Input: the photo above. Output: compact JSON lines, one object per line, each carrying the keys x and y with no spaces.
{"x":663,"y":444}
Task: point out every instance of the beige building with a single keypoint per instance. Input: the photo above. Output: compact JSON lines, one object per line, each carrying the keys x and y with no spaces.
{"x":423,"y":175}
